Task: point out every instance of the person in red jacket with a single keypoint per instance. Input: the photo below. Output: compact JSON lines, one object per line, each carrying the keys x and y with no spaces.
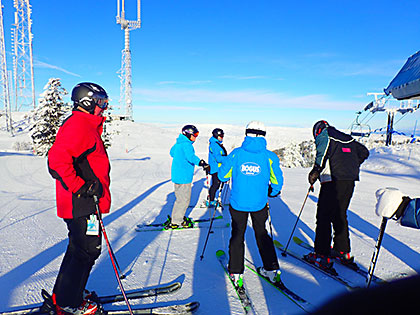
{"x":79,"y":163}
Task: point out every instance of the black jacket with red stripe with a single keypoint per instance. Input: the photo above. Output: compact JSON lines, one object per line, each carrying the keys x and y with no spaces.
{"x":78,"y":155}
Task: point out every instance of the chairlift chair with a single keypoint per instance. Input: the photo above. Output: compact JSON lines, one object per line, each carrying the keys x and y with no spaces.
{"x":358,"y":129}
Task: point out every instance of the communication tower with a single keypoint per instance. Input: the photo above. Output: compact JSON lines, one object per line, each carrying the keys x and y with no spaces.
{"x":125,"y":71}
{"x":4,"y":80}
{"x":23,"y":67}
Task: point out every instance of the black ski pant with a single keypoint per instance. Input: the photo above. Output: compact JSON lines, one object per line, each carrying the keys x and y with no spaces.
{"x":333,"y":202}
{"x":264,"y":241}
{"x":82,"y":251}
{"x":215,"y":185}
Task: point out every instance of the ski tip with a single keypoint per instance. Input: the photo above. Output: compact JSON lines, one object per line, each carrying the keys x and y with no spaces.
{"x":45,"y":294}
{"x":277,"y":244}
{"x":194,"y":305}
{"x":297,"y":240}
{"x":220,"y":253}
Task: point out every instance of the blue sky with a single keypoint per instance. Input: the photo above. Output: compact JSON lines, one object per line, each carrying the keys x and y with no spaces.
{"x":285,"y":63}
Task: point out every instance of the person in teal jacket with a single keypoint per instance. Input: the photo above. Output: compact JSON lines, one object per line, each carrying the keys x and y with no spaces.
{"x":255,"y":174}
{"x":182,"y":171}
{"x":217,"y":154}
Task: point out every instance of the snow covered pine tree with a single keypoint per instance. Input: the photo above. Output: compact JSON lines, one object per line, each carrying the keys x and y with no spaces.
{"x":48,"y":116}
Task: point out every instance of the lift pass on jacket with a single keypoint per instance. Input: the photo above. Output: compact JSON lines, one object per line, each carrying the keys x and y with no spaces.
{"x":92,"y":225}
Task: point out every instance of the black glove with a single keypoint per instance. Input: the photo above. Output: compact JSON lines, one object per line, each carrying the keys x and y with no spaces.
{"x":205,"y":166}
{"x":313,"y":175}
{"x":90,"y":188}
{"x":270,"y":191}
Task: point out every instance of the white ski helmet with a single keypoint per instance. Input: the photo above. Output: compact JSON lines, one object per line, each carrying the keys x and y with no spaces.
{"x":255,"y":129}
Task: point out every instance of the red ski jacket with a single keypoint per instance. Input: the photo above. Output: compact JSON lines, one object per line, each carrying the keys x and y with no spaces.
{"x":78,"y":155}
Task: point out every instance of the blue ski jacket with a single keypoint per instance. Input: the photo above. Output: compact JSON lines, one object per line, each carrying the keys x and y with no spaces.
{"x":217,"y":154}
{"x":252,"y":169}
{"x":183,"y":160}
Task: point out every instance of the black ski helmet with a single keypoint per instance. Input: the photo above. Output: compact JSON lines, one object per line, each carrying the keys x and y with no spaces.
{"x":218,"y":133}
{"x":190,"y":130}
{"x":89,"y":95}
{"x":318,"y":127}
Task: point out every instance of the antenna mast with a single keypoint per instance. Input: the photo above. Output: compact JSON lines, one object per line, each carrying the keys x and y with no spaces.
{"x":22,"y":55}
{"x":4,"y":80}
{"x":125,"y":71}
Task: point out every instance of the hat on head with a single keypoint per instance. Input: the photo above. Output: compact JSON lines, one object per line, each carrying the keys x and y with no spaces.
{"x":255,"y":129}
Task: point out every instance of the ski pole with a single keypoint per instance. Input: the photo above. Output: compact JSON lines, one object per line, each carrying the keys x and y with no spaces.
{"x":211,"y":224}
{"x":376,"y":251}
{"x":121,"y":275}
{"x":223,"y":193}
{"x":95,"y":198}
{"x":284,"y":254}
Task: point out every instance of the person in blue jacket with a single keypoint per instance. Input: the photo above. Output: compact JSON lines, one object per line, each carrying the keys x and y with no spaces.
{"x":255,"y":174}
{"x":217,"y":154}
{"x":182,"y":171}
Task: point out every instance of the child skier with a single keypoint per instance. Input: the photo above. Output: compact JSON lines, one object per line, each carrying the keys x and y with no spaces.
{"x":182,"y":171}
{"x":217,"y":154}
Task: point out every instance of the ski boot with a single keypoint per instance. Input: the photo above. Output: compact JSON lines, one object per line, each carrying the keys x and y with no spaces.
{"x":272,"y":275}
{"x":344,"y":258}
{"x":90,"y":296}
{"x":167,"y":223}
{"x":86,"y":308}
{"x":237,"y":280}
{"x":321,"y":261}
{"x":187,"y":223}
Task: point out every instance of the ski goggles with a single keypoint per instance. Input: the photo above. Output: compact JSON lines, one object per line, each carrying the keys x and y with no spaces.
{"x":102,"y":103}
{"x":195,"y":134}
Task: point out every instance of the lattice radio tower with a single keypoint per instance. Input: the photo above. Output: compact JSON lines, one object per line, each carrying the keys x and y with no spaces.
{"x":125,"y":71}
{"x":23,"y":67}
{"x":4,"y":80}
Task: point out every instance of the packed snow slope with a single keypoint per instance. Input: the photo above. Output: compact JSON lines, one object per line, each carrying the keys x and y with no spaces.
{"x":33,"y":240}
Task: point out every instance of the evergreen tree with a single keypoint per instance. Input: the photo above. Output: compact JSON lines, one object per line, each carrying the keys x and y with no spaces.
{"x":48,"y":116}
{"x":106,"y":134}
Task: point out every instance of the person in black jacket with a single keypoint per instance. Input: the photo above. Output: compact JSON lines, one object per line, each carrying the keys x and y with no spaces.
{"x":337,"y":166}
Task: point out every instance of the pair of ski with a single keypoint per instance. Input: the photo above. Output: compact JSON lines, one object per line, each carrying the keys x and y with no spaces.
{"x":48,"y":307}
{"x":336,"y":277}
{"x":197,"y":225}
{"x":280,"y":286}
{"x":353,"y":266}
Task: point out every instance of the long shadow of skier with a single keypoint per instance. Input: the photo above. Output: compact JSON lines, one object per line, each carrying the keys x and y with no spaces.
{"x":393,"y":245}
{"x":130,"y":252}
{"x":30,"y":267}
{"x":208,"y":267}
{"x":282,"y":221}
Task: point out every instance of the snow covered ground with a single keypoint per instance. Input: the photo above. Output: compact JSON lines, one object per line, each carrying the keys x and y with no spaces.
{"x":33,"y":239}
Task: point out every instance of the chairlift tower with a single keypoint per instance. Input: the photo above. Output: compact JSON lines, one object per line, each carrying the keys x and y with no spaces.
{"x":4,"y":80}
{"x":125,"y":71}
{"x":23,"y":66}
